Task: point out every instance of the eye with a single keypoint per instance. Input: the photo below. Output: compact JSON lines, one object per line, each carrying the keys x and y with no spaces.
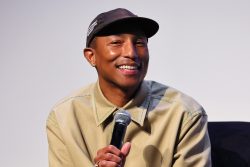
{"x":116,"y":42}
{"x":141,"y":42}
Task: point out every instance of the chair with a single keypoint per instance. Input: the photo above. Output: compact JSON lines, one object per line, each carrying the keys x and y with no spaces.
{"x":230,"y":144}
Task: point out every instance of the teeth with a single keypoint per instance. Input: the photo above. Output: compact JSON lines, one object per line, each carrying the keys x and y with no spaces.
{"x":128,"y":67}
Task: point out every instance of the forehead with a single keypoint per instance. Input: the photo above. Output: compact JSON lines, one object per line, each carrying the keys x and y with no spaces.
{"x":99,"y":41}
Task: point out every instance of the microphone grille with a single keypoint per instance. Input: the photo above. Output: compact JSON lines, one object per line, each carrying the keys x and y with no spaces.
{"x":123,"y":116}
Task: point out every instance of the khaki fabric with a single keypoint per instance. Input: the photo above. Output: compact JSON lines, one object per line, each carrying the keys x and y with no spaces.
{"x":168,"y":128}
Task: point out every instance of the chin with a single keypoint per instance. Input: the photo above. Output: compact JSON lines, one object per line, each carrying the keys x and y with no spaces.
{"x":130,"y":84}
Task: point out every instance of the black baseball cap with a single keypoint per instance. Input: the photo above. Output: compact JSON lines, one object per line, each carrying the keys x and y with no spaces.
{"x":110,"y":20}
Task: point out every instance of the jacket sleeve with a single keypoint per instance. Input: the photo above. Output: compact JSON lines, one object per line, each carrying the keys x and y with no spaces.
{"x":58,"y":153}
{"x":193,"y":148}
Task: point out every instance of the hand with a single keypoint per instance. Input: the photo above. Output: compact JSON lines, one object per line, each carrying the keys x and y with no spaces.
{"x":110,"y":156}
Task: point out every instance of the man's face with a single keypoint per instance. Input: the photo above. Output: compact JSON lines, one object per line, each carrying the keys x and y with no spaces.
{"x":121,"y":59}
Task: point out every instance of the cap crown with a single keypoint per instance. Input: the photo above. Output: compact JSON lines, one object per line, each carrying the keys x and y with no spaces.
{"x":120,"y":16}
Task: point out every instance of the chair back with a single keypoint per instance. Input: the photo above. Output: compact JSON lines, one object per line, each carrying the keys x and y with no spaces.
{"x":230,"y":144}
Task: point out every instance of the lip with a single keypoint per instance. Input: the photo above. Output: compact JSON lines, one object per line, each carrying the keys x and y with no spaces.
{"x":129,"y":69}
{"x":129,"y":63}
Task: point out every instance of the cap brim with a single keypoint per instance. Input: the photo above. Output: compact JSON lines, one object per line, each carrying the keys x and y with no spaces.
{"x":148,"y":26}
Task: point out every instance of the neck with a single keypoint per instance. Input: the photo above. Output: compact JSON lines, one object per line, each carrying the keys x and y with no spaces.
{"x":118,"y":96}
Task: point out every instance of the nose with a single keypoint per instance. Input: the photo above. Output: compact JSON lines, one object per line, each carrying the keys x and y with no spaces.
{"x":130,"y":51}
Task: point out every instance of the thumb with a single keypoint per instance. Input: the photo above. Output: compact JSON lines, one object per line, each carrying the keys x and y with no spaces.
{"x":126,"y":148}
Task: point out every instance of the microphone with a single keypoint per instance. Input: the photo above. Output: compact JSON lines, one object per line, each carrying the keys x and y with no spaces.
{"x":122,"y":119}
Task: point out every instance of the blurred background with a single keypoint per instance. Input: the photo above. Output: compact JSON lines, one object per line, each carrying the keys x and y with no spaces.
{"x":202,"y":48}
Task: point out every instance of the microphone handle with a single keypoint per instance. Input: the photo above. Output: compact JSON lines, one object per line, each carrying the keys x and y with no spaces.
{"x":118,"y":135}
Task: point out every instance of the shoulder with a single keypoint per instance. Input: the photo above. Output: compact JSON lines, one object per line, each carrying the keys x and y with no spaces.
{"x":166,"y":94}
{"x":79,"y":94}
{"x":68,"y":110}
{"x":76,"y":102}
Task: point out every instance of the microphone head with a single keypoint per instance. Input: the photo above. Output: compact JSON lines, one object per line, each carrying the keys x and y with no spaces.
{"x":123,"y":116}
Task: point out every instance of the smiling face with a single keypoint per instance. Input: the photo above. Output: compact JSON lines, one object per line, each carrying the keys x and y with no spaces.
{"x":121,"y":59}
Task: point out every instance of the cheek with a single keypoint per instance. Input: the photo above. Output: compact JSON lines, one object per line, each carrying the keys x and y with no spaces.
{"x":144,"y":55}
{"x":114,"y":53}
{"x":111,"y":54}
{"x":146,"y":63}
{"x":145,"y":59}
{"x":143,"y":52}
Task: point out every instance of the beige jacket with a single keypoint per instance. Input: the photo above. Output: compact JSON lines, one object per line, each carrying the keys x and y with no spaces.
{"x":168,"y":128}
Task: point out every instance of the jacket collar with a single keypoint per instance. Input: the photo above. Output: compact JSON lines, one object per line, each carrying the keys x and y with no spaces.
{"x":137,"y":106}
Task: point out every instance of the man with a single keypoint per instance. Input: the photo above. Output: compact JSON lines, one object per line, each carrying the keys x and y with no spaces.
{"x":167,"y":129}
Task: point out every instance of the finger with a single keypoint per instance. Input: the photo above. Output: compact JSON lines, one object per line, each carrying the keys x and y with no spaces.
{"x":109,"y":149}
{"x":112,"y":157}
{"x":105,"y":163}
{"x":126,"y":148}
{"x":111,"y":162}
{"x":109,"y":153}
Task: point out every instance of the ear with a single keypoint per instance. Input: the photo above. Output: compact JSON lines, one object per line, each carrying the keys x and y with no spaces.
{"x":89,"y":54}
